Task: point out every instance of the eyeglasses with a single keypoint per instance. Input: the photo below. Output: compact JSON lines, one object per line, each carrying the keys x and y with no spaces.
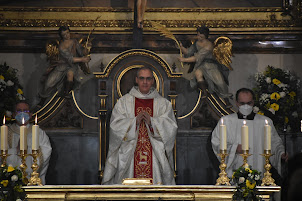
{"x":19,"y":111}
{"x":246,"y":103}
{"x":145,"y":78}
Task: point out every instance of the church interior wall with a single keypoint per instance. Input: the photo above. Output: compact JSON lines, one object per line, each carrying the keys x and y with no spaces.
{"x":31,"y":66}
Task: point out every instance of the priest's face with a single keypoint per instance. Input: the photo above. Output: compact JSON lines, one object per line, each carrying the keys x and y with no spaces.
{"x":245,"y":98}
{"x":145,"y":81}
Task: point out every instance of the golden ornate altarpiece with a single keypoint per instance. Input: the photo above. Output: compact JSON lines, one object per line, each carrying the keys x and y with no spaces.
{"x":111,"y":20}
{"x":120,"y":21}
{"x":151,"y":192}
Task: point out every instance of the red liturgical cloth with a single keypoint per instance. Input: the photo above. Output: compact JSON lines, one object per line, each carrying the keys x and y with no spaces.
{"x":143,"y":151}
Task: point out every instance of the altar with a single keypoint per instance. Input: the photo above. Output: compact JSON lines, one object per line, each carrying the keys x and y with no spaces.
{"x":132,"y":192}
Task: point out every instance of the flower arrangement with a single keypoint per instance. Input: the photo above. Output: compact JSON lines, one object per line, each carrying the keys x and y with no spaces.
{"x":246,"y":180}
{"x":10,"y":91}
{"x":277,"y":93}
{"x":11,"y":183}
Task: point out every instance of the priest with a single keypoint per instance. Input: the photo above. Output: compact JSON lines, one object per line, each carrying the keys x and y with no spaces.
{"x":142,"y":135}
{"x":22,"y":112}
{"x":255,"y":123}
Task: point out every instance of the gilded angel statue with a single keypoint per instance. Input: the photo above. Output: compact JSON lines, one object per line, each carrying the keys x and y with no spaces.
{"x":210,"y":64}
{"x":65,"y":58}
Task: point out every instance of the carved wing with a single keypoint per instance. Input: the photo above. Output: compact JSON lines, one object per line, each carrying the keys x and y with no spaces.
{"x":223,"y":51}
{"x":52,"y":50}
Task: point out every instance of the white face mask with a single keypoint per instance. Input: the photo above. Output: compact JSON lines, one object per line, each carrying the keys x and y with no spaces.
{"x":245,"y":109}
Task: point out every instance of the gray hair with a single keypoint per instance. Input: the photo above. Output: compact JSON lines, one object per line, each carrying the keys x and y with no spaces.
{"x":144,"y":68}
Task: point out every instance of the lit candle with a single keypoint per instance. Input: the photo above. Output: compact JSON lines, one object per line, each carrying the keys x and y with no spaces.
{"x":4,"y":133}
{"x":23,"y":137}
{"x":267,"y":136}
{"x":222,"y":132}
{"x":35,"y":135}
{"x":245,"y":136}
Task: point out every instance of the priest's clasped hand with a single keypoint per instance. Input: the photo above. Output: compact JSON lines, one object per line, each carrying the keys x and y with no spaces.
{"x":143,"y":116}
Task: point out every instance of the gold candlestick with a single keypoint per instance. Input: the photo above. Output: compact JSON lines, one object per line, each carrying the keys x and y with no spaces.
{"x":23,"y":155}
{"x":4,"y":156}
{"x":245,"y":155}
{"x":35,"y":179}
{"x":223,"y":178}
{"x":267,"y":178}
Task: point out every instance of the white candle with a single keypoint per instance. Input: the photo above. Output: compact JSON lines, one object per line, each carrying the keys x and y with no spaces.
{"x":23,"y":137}
{"x":267,"y":136}
{"x":245,"y":136}
{"x":223,"y":136}
{"x":4,"y":133}
{"x":35,"y":135}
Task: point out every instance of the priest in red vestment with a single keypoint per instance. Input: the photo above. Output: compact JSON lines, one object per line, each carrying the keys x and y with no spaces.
{"x":142,"y":134}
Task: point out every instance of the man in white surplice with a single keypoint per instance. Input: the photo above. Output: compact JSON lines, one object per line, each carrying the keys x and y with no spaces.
{"x":142,"y":135}
{"x":22,"y":111}
{"x":255,"y":123}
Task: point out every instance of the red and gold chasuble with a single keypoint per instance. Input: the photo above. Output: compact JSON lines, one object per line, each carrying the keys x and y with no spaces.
{"x":143,"y":151}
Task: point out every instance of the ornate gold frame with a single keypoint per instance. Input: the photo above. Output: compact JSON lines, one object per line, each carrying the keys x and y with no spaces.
{"x":118,"y":86}
{"x":238,"y":20}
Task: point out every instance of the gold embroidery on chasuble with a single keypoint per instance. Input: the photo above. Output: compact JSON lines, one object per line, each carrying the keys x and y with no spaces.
{"x":143,"y":151}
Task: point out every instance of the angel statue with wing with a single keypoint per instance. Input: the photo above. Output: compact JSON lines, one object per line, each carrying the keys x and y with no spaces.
{"x":65,"y":58}
{"x":206,"y":72}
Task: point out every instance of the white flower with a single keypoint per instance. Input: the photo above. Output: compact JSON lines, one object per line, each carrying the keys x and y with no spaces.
{"x":295,"y":114}
{"x":268,"y":80}
{"x":264,"y":98}
{"x":9,"y":83}
{"x":272,"y":110}
{"x":18,"y":199}
{"x":281,"y":85}
{"x":256,"y":109}
{"x":241,"y":180}
{"x":282,"y":94}
{"x":257,"y":177}
{"x":8,"y":113}
{"x":14,"y":178}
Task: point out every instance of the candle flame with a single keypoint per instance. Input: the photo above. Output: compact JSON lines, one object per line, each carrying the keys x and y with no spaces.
{"x":244,"y":122}
{"x":266,"y":122}
{"x":221,"y":121}
{"x":23,"y":121}
{"x":4,"y":120}
{"x":36,"y":120}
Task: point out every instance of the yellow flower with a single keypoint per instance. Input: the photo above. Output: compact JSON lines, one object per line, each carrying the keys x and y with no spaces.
{"x":250,"y":185}
{"x":233,"y":175}
{"x":286,"y":120}
{"x":292,"y":94}
{"x":20,"y":91}
{"x":276,"y":81}
{"x":275,"y":96}
{"x":261,"y":113}
{"x":275,"y":106}
{"x":10,"y":169}
{"x":4,"y":183}
{"x":1,"y":77}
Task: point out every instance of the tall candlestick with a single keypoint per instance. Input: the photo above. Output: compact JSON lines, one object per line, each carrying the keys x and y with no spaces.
{"x":245,"y":136}
{"x":35,"y":135}
{"x":267,"y":136}
{"x":223,"y":136}
{"x":23,"y":137}
{"x":4,"y":133}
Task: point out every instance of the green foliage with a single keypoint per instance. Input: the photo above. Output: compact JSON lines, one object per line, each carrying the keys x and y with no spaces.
{"x":11,"y":184}
{"x":10,"y":91}
{"x":246,"y":180}
{"x":277,"y":96}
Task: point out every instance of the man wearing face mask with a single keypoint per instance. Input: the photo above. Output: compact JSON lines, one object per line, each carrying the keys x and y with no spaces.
{"x":255,"y":123}
{"x":22,"y":111}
